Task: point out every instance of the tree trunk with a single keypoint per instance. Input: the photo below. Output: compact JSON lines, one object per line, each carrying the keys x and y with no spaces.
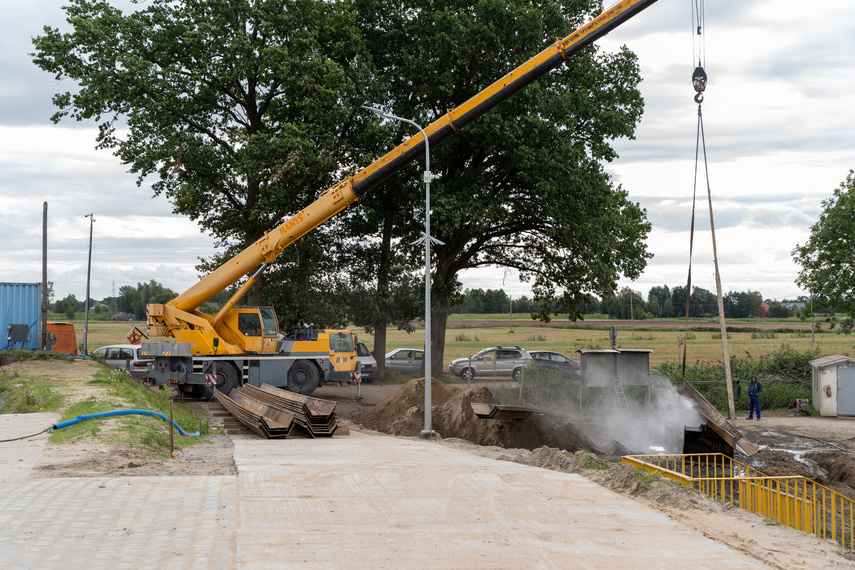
{"x":380,"y":348}
{"x":254,"y":297}
{"x":438,"y":323}
{"x":383,"y":294}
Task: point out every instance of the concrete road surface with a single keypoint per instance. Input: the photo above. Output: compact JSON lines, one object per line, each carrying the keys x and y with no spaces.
{"x":358,"y":501}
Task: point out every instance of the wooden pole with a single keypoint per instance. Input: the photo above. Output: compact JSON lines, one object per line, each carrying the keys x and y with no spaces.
{"x":723,"y":326}
{"x":171,"y":432}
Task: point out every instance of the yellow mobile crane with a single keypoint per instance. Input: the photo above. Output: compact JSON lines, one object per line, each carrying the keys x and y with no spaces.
{"x":241,"y":345}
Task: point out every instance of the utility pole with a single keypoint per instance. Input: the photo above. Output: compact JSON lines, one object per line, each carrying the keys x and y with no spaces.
{"x":88,"y":275}
{"x":43,"y":341}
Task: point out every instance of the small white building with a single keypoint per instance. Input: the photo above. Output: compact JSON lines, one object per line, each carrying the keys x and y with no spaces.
{"x":833,"y":386}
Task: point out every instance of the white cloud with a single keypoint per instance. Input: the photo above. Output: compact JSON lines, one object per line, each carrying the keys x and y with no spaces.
{"x":777,"y":117}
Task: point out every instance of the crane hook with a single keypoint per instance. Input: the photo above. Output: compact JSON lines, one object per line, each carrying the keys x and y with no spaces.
{"x":699,"y":82}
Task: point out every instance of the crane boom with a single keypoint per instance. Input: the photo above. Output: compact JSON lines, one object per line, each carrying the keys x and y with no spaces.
{"x":335,"y":199}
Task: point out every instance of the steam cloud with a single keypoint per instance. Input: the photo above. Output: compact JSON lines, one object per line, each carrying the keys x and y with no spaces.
{"x":654,"y":427}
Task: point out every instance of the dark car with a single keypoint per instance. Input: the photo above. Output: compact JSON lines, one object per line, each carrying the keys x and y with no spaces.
{"x":555,"y":360}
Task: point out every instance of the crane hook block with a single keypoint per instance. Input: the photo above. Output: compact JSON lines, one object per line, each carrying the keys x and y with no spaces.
{"x":699,"y":79}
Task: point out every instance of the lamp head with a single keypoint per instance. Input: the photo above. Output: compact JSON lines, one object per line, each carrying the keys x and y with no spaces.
{"x":377,"y":112}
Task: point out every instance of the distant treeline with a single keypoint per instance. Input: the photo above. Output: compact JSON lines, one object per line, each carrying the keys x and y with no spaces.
{"x":661,"y":302}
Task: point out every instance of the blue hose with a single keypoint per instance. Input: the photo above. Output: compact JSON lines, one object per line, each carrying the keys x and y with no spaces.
{"x":79,"y":419}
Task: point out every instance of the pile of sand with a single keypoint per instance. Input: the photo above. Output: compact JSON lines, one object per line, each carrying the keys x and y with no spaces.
{"x":452,"y":416}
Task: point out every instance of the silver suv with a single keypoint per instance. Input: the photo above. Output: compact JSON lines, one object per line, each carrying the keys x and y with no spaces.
{"x":492,"y":362}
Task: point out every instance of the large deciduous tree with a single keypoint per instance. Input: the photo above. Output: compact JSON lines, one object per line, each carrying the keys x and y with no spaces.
{"x":827,"y":260}
{"x":524,"y":186}
{"x":243,"y":110}
{"x":134,"y":299}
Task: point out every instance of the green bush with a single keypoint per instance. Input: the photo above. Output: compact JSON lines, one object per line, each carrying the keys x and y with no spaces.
{"x":762,"y":334}
{"x":785,"y":375}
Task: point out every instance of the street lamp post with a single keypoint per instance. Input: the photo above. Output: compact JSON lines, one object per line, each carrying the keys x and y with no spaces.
{"x":427,"y":432}
{"x":88,"y":274}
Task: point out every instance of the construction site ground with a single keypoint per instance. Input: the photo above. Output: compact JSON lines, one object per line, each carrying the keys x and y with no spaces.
{"x":371,"y":500}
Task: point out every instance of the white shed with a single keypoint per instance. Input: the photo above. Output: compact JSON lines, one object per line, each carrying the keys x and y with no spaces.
{"x":833,"y":386}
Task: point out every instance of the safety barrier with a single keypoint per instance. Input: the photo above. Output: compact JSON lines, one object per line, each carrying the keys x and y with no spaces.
{"x":794,"y":501}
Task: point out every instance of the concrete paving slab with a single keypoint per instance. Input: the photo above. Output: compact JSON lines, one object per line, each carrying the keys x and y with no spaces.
{"x":18,"y":457}
{"x":371,"y":501}
{"x":121,"y":522}
{"x":363,"y":501}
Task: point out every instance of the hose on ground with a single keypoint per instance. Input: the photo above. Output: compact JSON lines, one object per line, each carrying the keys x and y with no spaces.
{"x":79,"y":419}
{"x":27,"y":436}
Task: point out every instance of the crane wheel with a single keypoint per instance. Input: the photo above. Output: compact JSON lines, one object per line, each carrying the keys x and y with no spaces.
{"x":303,"y":377}
{"x":227,"y":380}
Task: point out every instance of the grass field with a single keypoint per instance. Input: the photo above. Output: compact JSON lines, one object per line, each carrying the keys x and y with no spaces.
{"x":466,"y":334}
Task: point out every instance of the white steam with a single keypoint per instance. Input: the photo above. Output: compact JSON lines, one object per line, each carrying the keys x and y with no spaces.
{"x":655,"y":426}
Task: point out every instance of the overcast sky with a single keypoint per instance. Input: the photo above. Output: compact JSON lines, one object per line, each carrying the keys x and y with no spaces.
{"x":778,"y":116}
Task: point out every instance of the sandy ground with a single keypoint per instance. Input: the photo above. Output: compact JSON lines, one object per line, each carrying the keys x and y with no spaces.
{"x":770,"y":544}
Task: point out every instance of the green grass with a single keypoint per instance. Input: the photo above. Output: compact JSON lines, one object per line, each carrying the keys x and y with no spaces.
{"x":591,"y":461}
{"x":121,"y":392}
{"x":397,"y":378}
{"x":24,"y":395}
{"x":645,"y":479}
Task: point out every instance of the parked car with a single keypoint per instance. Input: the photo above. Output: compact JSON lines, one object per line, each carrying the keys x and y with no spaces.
{"x":406,"y":361}
{"x":124,"y":356}
{"x":367,"y":363}
{"x":492,"y":362}
{"x":555,"y":360}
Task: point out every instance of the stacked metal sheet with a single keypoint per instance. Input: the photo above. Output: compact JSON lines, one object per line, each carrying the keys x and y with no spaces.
{"x":267,"y":421}
{"x":499,"y":412}
{"x":314,"y":416}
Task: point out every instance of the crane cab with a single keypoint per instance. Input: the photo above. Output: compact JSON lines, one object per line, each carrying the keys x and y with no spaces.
{"x":255,"y":329}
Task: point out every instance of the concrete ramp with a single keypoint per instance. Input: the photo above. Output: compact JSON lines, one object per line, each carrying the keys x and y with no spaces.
{"x":373,"y":501}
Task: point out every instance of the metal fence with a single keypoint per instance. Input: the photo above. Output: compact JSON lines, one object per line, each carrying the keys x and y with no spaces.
{"x":795,"y":501}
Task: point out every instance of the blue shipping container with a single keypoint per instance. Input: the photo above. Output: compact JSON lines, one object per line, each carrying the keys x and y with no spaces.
{"x":20,"y":304}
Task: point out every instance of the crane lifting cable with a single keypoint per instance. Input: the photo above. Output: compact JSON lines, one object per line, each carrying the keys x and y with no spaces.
{"x":699,"y":83}
{"x":699,"y":77}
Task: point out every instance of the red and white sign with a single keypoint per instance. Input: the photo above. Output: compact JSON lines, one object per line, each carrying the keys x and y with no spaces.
{"x":356,"y":377}
{"x":210,"y":379}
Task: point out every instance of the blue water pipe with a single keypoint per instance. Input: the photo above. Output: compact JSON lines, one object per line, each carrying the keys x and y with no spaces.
{"x":79,"y":419}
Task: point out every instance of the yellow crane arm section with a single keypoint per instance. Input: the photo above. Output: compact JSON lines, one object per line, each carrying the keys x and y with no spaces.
{"x":352,"y":188}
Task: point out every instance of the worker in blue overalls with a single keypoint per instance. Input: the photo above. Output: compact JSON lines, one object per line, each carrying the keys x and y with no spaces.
{"x":754,"y":390}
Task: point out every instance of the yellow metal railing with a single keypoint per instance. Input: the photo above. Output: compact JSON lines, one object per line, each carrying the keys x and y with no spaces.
{"x":794,"y":501}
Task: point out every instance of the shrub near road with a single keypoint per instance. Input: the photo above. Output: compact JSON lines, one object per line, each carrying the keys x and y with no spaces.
{"x":785,"y":375}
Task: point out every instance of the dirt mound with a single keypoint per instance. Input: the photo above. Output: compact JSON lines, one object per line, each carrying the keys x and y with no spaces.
{"x":840,"y":468}
{"x":403,"y":413}
{"x":452,"y":416}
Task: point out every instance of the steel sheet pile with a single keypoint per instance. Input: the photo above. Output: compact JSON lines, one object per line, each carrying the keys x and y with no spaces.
{"x":314,"y":416}
{"x":267,"y":421}
{"x":500,"y":412}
